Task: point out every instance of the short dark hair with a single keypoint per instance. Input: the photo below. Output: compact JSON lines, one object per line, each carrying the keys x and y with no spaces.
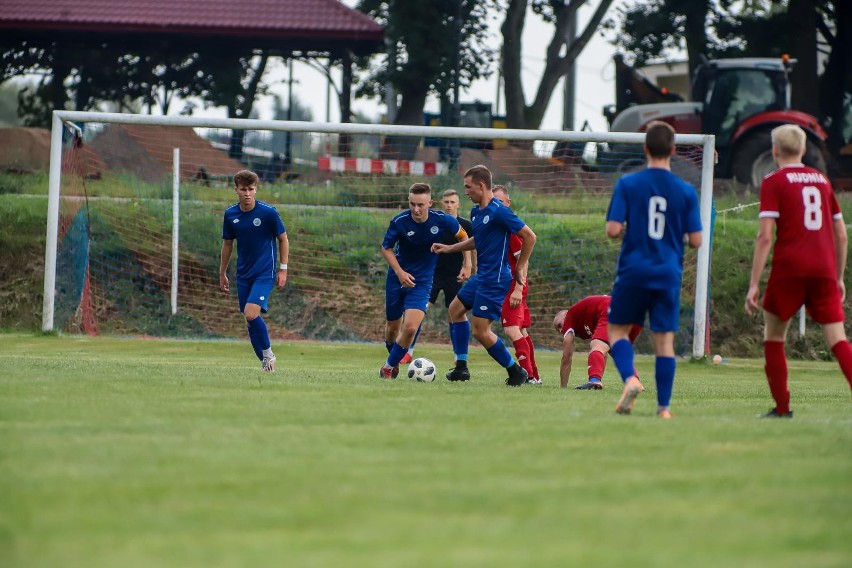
{"x":479,"y":174}
{"x":245,"y":178}
{"x":420,"y":189}
{"x":659,"y":139}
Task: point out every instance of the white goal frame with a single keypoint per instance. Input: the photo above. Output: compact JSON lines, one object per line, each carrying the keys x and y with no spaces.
{"x":707,"y":142}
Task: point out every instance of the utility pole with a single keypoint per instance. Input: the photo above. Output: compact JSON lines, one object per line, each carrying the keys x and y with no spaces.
{"x":289,"y":137}
{"x":570,"y":78}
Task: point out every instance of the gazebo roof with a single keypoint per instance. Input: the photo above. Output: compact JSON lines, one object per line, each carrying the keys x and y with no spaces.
{"x":322,"y":25}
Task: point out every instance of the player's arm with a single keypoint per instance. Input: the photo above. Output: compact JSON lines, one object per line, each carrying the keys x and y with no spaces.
{"x":567,"y":358}
{"x":762,"y":245}
{"x":225,"y":259}
{"x":467,"y":264}
{"x":283,"y":257}
{"x":841,"y":240}
{"x":467,"y":244}
{"x":693,"y":240}
{"x":614,"y":229}
{"x":528,"y":237}
{"x":405,"y":278}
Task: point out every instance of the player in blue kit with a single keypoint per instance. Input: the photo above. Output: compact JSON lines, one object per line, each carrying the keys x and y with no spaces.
{"x":411,"y":267}
{"x":259,"y":231}
{"x":651,"y":210}
{"x":484,"y":293}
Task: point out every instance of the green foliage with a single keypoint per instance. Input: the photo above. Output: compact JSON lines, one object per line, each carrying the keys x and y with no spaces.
{"x":182,"y":453}
{"x":425,"y":40}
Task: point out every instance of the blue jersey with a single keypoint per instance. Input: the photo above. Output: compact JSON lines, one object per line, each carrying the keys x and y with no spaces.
{"x":658,"y":208}
{"x":414,"y":241}
{"x":257,"y":233}
{"x":491,"y":229}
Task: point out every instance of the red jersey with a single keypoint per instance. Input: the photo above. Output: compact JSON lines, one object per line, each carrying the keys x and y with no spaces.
{"x":515,"y":244}
{"x":803,"y":204}
{"x":584,"y":316}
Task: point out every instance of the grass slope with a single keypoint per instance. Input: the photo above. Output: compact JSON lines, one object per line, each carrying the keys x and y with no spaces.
{"x":162,"y":453}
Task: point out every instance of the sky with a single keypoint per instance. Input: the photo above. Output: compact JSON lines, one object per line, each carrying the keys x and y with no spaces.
{"x":595,"y":79}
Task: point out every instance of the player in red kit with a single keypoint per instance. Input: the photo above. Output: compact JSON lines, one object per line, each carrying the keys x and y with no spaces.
{"x":515,"y":316}
{"x":797,"y":203}
{"x":587,"y":319}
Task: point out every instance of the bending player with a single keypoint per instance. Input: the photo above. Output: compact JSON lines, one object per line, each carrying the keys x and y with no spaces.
{"x":515,"y":317}
{"x":411,"y":265}
{"x":798,"y":205}
{"x":484,"y":293}
{"x":587,"y":319}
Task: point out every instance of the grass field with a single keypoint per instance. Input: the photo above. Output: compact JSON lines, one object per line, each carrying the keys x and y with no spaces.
{"x":121,"y":452}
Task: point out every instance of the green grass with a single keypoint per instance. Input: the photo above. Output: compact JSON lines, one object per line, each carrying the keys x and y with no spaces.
{"x":121,"y":452}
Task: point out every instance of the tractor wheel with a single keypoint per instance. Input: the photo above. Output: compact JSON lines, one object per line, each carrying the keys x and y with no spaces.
{"x":753,"y":159}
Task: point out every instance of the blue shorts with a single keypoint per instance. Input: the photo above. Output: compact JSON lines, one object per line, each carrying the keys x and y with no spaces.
{"x":484,"y":299}
{"x":398,"y":298}
{"x":255,"y":292}
{"x":629,"y":305}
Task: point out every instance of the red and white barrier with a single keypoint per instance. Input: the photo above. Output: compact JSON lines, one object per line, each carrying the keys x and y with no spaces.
{"x":373,"y":167}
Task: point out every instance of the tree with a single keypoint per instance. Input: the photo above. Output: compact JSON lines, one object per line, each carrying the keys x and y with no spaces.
{"x":755,"y":28}
{"x":426,"y":41}
{"x":563,"y":14}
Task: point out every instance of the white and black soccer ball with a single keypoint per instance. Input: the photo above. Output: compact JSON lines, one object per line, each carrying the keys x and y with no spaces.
{"x":421,"y":370}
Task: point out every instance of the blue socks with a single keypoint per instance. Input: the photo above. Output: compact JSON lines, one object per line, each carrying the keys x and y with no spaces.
{"x":622,"y":353}
{"x":500,"y":354}
{"x":259,"y":336}
{"x":665,"y":373}
{"x":460,"y":335}
{"x":397,"y":352}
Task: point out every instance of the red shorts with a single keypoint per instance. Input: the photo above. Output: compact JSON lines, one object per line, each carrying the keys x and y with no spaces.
{"x":519,"y":315}
{"x":601,"y":334}
{"x":820,"y":296}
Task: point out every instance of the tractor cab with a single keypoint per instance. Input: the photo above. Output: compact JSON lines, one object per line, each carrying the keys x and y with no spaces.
{"x":731,"y":90}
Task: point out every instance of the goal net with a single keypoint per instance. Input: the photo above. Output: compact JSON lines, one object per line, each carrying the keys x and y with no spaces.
{"x":136,"y":204}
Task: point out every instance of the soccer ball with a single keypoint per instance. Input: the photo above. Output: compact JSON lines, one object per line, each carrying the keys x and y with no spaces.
{"x":421,"y":370}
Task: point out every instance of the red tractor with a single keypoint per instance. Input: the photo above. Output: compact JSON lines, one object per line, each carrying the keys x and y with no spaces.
{"x":738,"y":100}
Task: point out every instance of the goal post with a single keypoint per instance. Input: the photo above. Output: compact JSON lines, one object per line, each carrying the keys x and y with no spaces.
{"x":336,"y":191}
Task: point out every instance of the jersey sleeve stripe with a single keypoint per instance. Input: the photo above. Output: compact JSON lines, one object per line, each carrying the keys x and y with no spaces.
{"x":837,"y":216}
{"x":769,"y":215}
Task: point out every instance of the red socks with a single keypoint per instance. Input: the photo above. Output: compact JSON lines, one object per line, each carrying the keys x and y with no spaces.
{"x":532,"y":356}
{"x":597,"y":364}
{"x":522,"y":354}
{"x":776,"y":374}
{"x":843,"y":352}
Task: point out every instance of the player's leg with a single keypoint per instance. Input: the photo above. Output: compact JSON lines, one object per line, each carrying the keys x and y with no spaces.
{"x":511,"y":318}
{"x":835,"y":338}
{"x":825,"y":306}
{"x":664,"y":315}
{"x":394,"y":310}
{"x":526,"y":323}
{"x":782,"y":299}
{"x":433,"y":296}
{"x":487,"y":306}
{"x":460,"y":329}
{"x":598,"y":349}
{"x":627,"y":308}
{"x":410,"y":324}
{"x":774,"y":337}
{"x":597,"y":364}
{"x":256,"y":302}
{"x":664,"y":370}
